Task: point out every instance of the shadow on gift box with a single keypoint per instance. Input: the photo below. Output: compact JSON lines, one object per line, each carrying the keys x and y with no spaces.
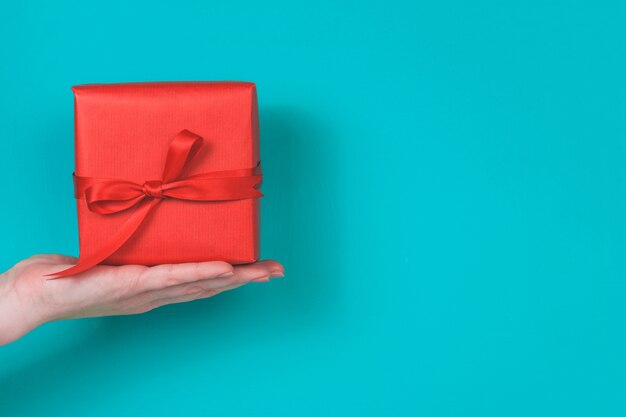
{"x":299,"y":228}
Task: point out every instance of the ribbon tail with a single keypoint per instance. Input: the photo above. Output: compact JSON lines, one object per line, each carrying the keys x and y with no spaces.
{"x":122,"y":235}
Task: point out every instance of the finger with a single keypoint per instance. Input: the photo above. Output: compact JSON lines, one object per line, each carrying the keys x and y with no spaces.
{"x":242,"y":275}
{"x":190,"y":296}
{"x":260,"y":269}
{"x":164,"y":276}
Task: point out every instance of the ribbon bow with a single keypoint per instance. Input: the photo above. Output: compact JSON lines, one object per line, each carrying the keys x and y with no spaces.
{"x":108,"y":196}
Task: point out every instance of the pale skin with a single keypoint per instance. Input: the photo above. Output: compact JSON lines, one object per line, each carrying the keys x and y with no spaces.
{"x":28,"y":298}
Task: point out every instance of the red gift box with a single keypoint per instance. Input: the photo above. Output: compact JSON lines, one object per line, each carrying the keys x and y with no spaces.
{"x":166,"y":173}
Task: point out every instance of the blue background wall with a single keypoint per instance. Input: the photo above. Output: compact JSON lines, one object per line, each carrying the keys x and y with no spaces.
{"x":445,"y":184}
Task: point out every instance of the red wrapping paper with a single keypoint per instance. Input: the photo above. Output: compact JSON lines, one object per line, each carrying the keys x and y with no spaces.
{"x":123,"y":131}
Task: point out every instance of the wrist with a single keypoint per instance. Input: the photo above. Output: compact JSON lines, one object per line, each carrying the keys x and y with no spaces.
{"x":16,"y":318}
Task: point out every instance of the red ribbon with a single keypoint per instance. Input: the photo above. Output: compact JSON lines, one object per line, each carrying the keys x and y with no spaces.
{"x":107,"y":196}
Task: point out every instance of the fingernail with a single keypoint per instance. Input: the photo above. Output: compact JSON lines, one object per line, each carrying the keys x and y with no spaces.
{"x":226,"y":274}
{"x":277,"y":273}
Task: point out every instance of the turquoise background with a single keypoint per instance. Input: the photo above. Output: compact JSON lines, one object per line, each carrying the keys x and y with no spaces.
{"x":444,"y":184}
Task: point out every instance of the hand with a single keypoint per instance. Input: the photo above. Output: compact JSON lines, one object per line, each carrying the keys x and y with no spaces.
{"x":28,"y":298}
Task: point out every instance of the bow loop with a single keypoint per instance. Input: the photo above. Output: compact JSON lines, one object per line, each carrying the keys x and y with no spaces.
{"x":182,"y":149}
{"x":112,"y":196}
